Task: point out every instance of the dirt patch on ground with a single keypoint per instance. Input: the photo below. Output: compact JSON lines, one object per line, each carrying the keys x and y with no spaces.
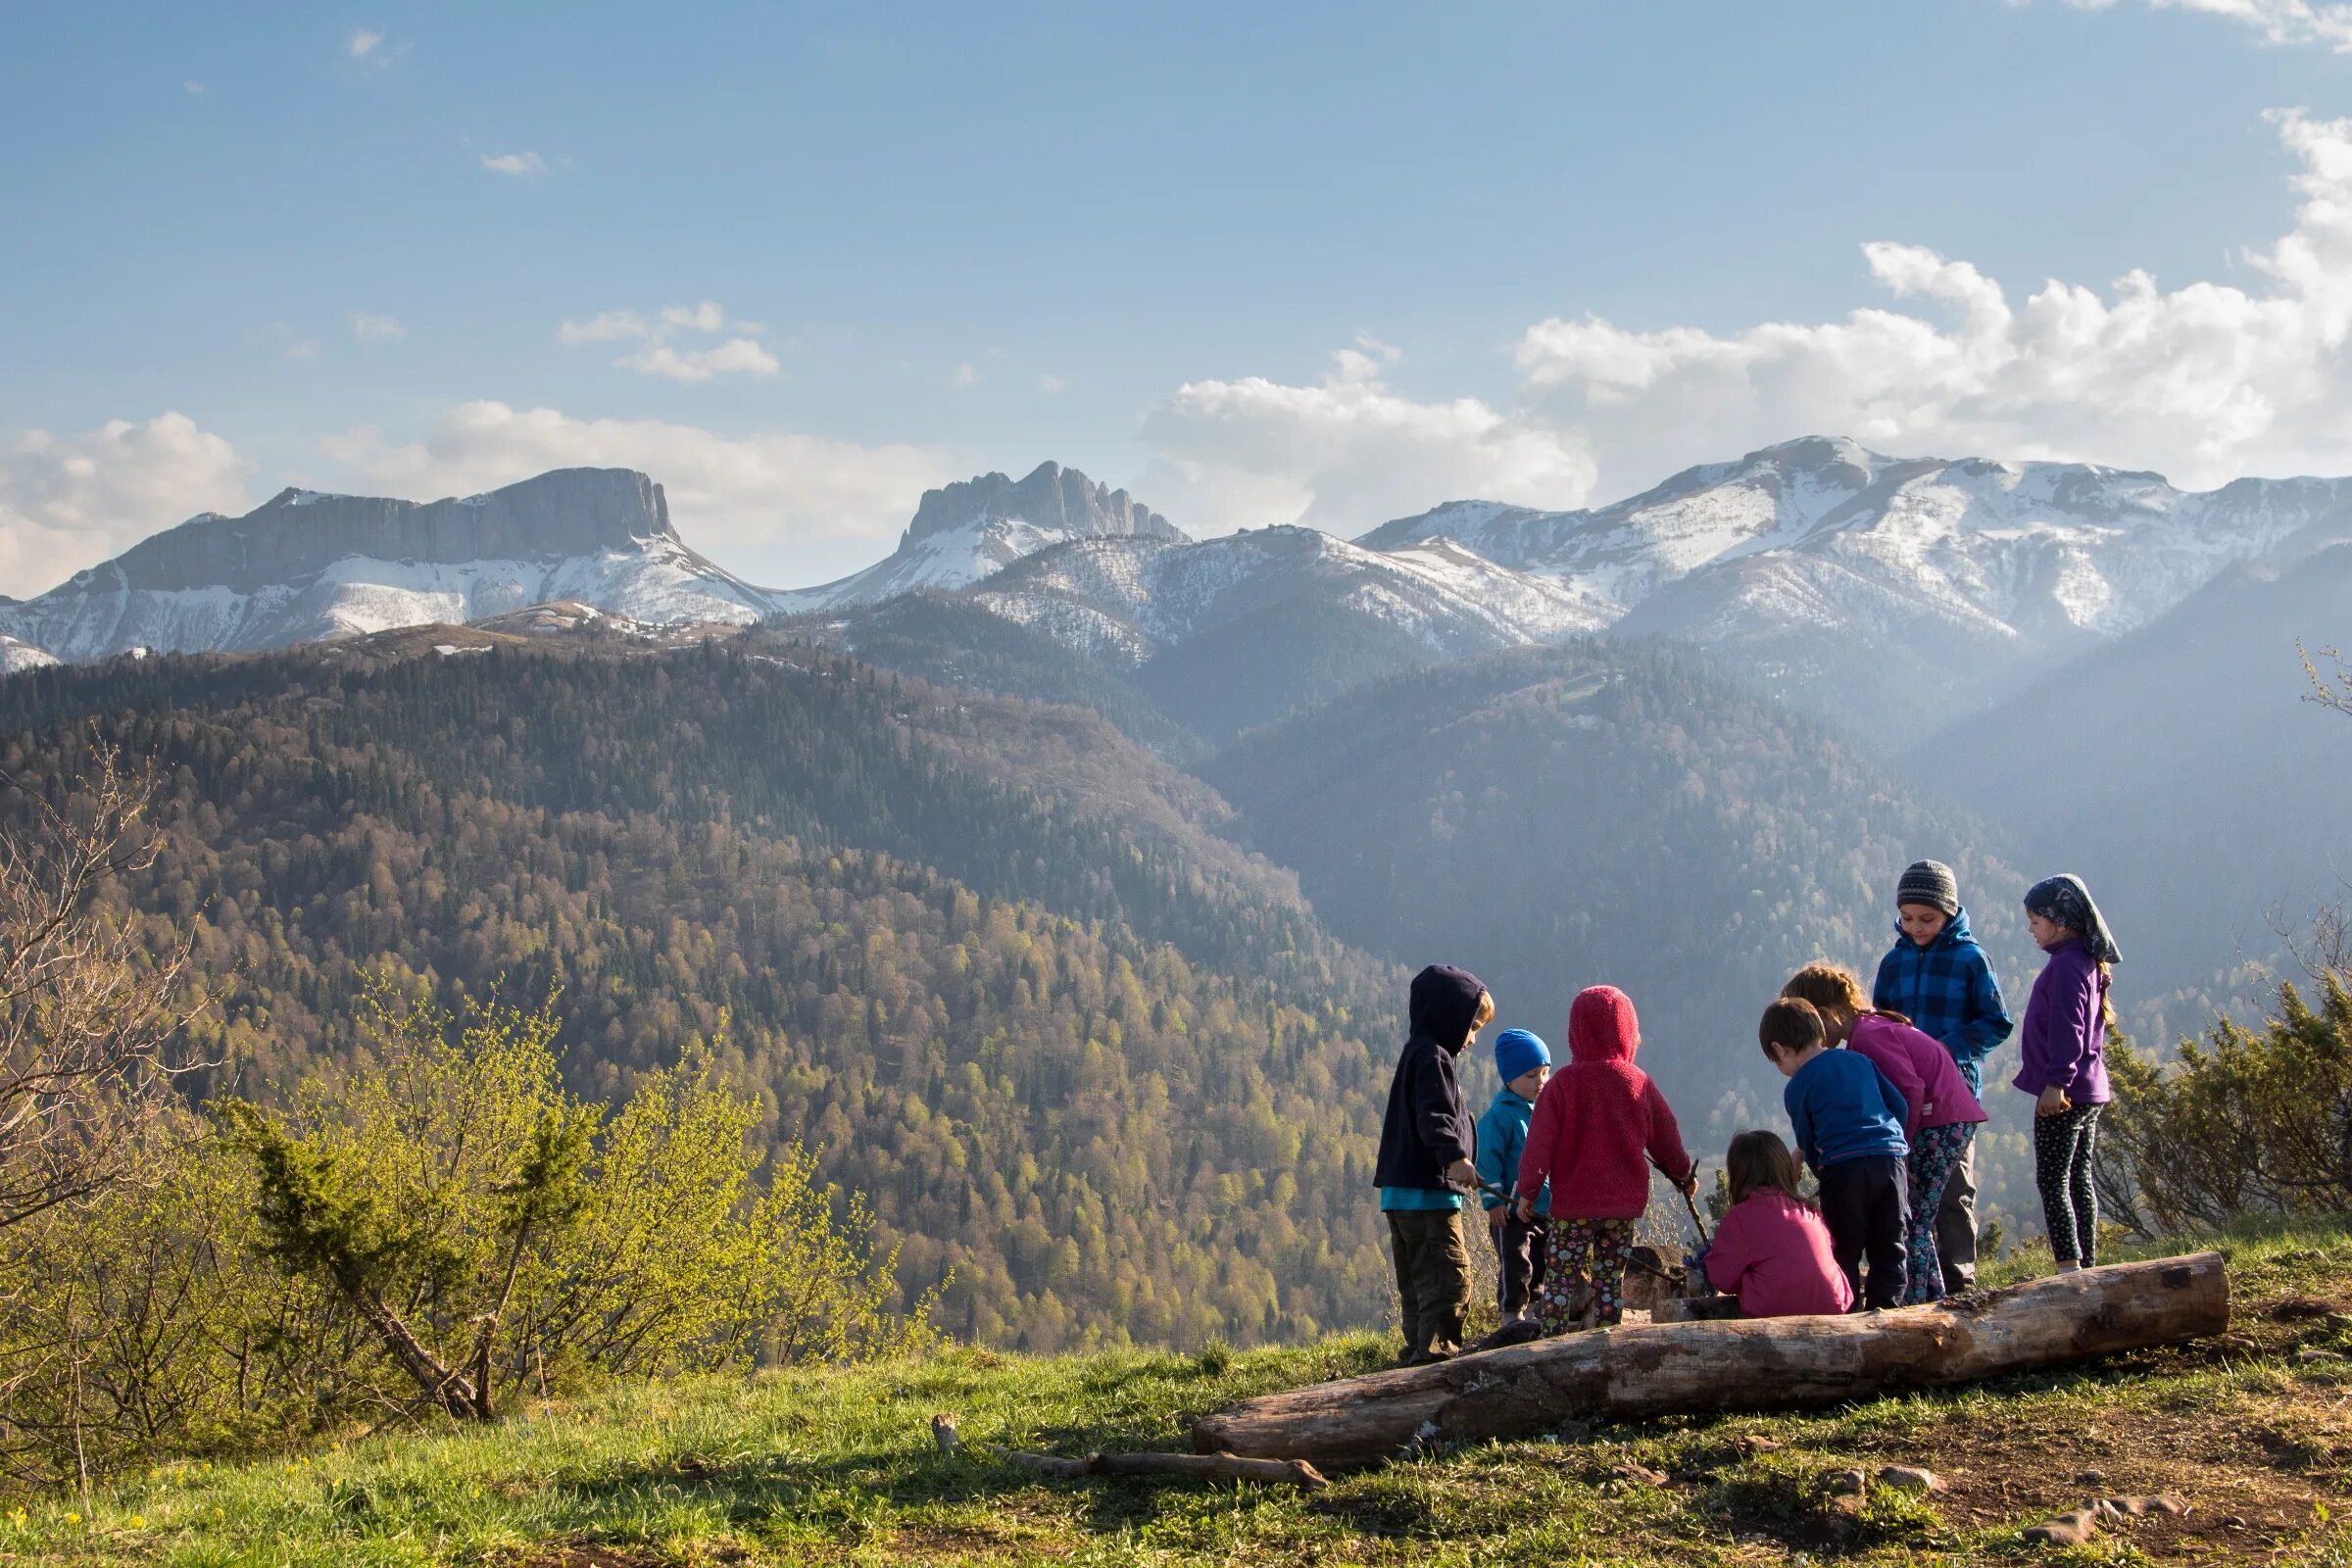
{"x":2252,"y":1468}
{"x":596,"y":1554}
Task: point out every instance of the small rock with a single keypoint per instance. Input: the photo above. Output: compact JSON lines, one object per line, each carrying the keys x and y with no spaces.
{"x":2067,"y":1530}
{"x":2165,"y":1502}
{"x":1910,"y":1478}
{"x":2092,"y":1478}
{"x":2306,"y":1354}
{"x":1751,"y":1445}
{"x":1639,"y":1474}
{"x":1845,"y":1483}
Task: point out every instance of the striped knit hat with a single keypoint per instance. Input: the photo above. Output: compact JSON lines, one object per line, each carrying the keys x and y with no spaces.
{"x":1929,"y":882}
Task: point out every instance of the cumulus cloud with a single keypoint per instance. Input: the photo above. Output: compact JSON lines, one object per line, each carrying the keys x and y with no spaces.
{"x":737,"y":356}
{"x":517,"y":166}
{"x":369,"y":327}
{"x":70,"y":500}
{"x":1346,"y":453}
{"x":740,"y":355}
{"x":2279,"y":22}
{"x":2204,"y":382}
{"x":778,"y":507}
{"x":363,"y":43}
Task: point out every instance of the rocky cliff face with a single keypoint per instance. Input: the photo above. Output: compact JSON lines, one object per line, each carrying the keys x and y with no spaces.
{"x":1052,"y":497}
{"x":298,"y":533}
{"x":306,"y":567}
{"x":968,"y":531}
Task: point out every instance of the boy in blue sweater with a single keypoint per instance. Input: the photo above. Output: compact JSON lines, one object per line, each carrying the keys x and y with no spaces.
{"x":1937,"y":977}
{"x":1521,"y":1246}
{"x":1849,"y":1128}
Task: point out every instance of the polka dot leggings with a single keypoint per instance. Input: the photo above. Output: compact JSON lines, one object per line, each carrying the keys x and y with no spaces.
{"x":1587,"y":1271}
{"x":1934,"y":1155}
{"x":2063,"y":1146}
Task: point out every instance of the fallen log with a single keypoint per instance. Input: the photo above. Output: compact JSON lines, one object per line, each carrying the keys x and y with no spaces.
{"x":1211,"y":1466}
{"x":1647,"y":1369}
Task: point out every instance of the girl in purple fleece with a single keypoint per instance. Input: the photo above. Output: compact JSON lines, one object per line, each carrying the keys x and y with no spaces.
{"x":2062,"y":1040}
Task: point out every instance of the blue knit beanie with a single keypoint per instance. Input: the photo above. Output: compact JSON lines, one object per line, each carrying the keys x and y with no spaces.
{"x":1517,"y":1052}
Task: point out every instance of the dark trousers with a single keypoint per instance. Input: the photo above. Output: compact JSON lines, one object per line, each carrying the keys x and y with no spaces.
{"x":1866,"y":1204}
{"x":2063,"y":1148}
{"x":1520,"y":1253}
{"x":1956,"y":1226}
{"x":1432,"y":1278}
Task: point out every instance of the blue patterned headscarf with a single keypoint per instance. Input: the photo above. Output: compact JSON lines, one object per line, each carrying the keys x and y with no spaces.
{"x":2065,"y":901}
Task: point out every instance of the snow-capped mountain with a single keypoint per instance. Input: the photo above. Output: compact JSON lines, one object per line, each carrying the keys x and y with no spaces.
{"x":2030,"y":547}
{"x":1887,"y":588}
{"x":306,"y":567}
{"x":968,"y":531}
{"x":1126,"y":599}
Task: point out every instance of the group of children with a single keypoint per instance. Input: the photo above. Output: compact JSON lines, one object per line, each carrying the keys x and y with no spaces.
{"x":1882,"y":1100}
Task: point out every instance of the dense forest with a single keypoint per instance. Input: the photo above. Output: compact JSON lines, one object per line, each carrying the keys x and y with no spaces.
{"x":1103,"y":1068}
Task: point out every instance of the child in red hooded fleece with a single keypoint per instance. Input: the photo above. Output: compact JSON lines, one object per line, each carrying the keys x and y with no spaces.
{"x":1597,"y":1127}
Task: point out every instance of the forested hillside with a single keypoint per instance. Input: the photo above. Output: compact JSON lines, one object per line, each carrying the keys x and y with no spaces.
{"x":1074,"y":1047}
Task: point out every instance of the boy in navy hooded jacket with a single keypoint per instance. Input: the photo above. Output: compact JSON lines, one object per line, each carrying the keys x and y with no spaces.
{"x":1426,"y":1143}
{"x":1937,"y":977}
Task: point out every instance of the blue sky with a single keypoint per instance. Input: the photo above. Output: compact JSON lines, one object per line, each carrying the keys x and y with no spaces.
{"x":1328,"y":264}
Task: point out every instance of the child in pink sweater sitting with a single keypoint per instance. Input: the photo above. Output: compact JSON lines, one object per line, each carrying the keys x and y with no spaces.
{"x":1944,"y":1111}
{"x":1772,"y":1250}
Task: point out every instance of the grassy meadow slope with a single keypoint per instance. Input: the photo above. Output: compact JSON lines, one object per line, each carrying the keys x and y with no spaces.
{"x":2255,"y":1430}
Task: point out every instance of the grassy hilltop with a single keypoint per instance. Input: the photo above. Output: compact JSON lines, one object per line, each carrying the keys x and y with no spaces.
{"x":838,"y":1467}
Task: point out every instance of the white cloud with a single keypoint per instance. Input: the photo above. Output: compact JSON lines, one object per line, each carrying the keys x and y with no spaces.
{"x":2279,"y":22}
{"x":737,"y":356}
{"x":194,"y":90}
{"x":704,"y":318}
{"x":740,"y":355}
{"x":778,"y":507}
{"x":372,"y":328}
{"x":1051,"y":384}
{"x":517,"y":166}
{"x":71,"y":501}
{"x":964,"y":375}
{"x":1344,"y":454}
{"x":2204,"y":382}
{"x":363,"y":43}
{"x":606,"y":326}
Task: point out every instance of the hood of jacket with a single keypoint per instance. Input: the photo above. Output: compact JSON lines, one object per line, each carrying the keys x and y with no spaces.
{"x":1445,"y":999}
{"x":1955,"y":931}
{"x":1601,"y":1027}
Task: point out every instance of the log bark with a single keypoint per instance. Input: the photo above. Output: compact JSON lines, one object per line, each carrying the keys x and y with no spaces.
{"x":1214,"y":1466}
{"x":1751,"y":1364}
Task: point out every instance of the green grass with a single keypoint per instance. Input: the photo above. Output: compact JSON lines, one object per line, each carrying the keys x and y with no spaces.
{"x":839,"y":1466}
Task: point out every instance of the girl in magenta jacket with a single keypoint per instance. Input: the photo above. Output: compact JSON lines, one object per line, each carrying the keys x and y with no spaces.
{"x":1597,"y":1127}
{"x":1772,"y":1250}
{"x":1945,"y":1112}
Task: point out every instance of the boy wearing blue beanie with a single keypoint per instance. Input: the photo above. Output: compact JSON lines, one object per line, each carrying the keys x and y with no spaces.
{"x":1521,"y":1246}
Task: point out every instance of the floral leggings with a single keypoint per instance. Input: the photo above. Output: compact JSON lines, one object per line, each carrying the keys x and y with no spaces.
{"x":1934,"y":1155}
{"x":1587,"y":1272}
{"x":2064,"y":1146}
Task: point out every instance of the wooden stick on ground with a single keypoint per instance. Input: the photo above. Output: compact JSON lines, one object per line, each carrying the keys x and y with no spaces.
{"x":1752,"y":1364}
{"x":1212,"y":1466}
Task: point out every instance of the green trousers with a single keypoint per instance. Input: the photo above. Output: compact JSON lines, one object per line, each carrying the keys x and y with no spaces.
{"x":1432,"y":1278}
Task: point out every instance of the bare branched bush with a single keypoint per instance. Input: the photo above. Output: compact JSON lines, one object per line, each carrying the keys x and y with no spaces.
{"x":94,"y":1013}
